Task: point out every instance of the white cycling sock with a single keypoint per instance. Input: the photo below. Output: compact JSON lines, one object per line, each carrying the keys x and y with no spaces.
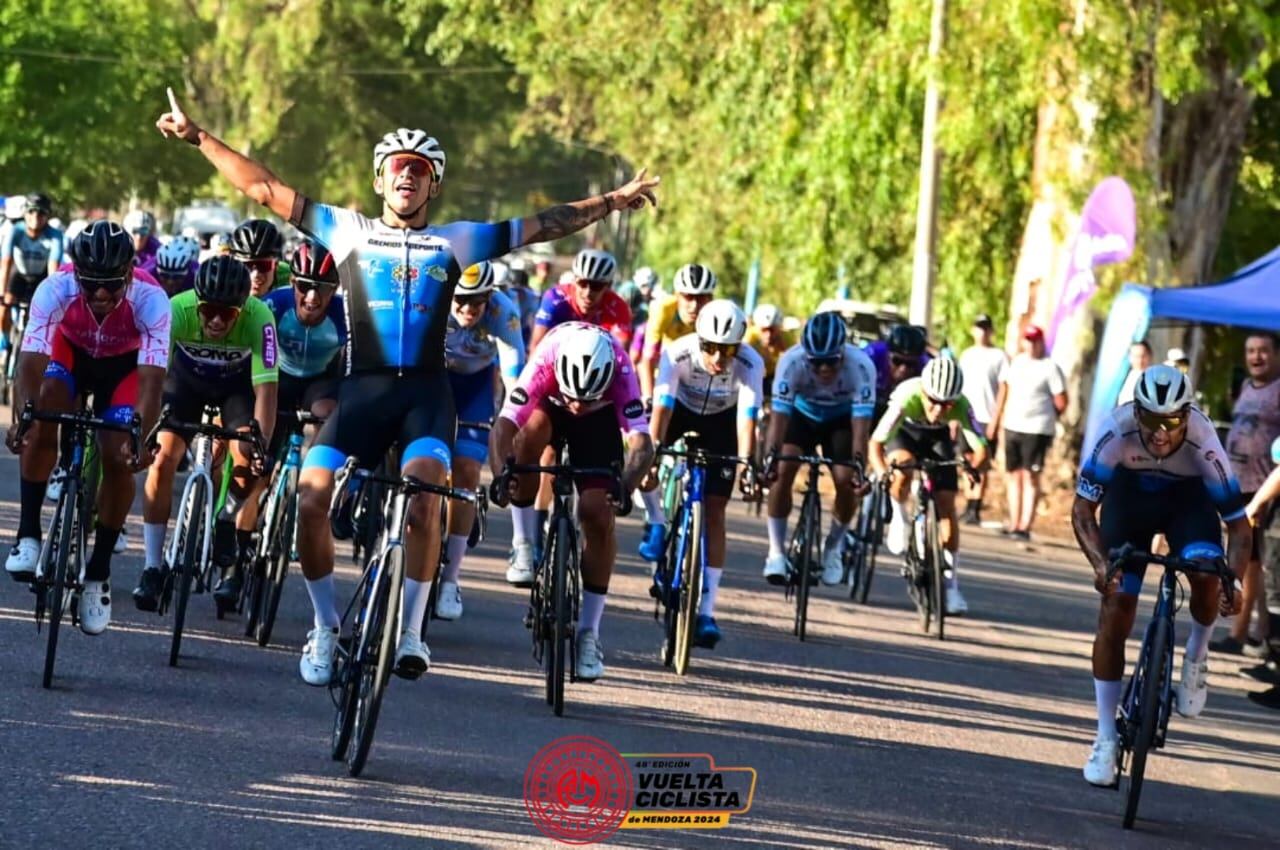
{"x":1198,"y":640}
{"x":951,"y":559}
{"x":456,"y":547}
{"x":524,"y":525}
{"x":777,"y":535}
{"x":415,"y":603}
{"x":653,"y":513}
{"x":153,"y":542}
{"x":1107,"y":696}
{"x":592,"y":612}
{"x":324,"y":600}
{"x":231,"y":506}
{"x":707,"y":606}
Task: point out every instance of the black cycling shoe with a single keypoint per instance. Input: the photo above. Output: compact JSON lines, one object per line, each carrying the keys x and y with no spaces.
{"x":146,"y":596}
{"x":225,"y":548}
{"x":227,"y":594}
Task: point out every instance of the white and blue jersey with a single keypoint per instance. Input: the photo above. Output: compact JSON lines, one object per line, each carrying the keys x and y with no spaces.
{"x":399,"y":283}
{"x":851,"y":394}
{"x":1201,"y":456}
{"x":497,"y":335}
{"x":307,"y":351}
{"x":31,"y":257}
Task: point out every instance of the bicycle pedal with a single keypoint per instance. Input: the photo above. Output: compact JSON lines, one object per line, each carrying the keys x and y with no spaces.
{"x":528,"y":619}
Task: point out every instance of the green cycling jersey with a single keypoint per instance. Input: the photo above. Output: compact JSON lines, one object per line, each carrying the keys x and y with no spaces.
{"x":248,"y":350}
{"x":906,"y":405}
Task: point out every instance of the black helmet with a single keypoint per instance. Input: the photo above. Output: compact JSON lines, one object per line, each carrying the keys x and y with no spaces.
{"x":824,"y":335}
{"x":257,"y":239}
{"x":102,"y":250}
{"x":40,"y":203}
{"x":223,"y":280}
{"x":313,"y":262}
{"x":906,"y":341}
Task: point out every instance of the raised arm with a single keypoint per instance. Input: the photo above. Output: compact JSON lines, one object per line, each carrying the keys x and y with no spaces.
{"x":560,"y":221}
{"x":249,"y":176}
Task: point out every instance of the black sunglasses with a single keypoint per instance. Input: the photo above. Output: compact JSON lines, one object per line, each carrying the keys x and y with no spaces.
{"x":728,"y":349}
{"x":593,"y":285}
{"x":92,"y":284}
{"x":471,"y":300}
{"x":820,"y":362}
{"x":306,"y":284}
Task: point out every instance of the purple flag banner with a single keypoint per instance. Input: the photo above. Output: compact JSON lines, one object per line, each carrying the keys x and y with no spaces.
{"x":1107,"y":227}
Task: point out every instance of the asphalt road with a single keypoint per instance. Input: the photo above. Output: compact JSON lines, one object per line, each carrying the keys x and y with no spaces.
{"x":867,"y":735}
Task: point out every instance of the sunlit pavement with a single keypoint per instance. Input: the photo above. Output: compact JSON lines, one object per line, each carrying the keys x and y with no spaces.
{"x":867,"y":735}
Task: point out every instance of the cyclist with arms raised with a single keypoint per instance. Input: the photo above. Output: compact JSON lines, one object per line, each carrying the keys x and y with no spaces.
{"x":823,"y":396}
{"x":102,"y":329}
{"x":710,"y":383}
{"x":1156,"y":467}
{"x":398,"y":275}
{"x":924,"y":418}
{"x":578,"y":389}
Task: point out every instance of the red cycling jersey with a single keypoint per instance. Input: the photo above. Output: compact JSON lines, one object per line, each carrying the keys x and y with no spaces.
{"x":612,"y":313}
{"x":140,"y":322}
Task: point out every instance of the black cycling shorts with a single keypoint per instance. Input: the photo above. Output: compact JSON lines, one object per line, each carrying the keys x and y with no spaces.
{"x":1134,"y":512}
{"x":834,"y":436}
{"x":593,"y":440}
{"x":296,"y":394}
{"x":186,"y":397}
{"x":718,"y":434}
{"x":1025,"y":451}
{"x":24,"y":287}
{"x":379,"y":409}
{"x":929,"y":442}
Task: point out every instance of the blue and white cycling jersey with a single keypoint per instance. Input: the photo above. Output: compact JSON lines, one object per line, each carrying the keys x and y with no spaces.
{"x":851,"y":393}
{"x":497,"y":334}
{"x":399,"y":283}
{"x":31,"y":256}
{"x":307,"y":351}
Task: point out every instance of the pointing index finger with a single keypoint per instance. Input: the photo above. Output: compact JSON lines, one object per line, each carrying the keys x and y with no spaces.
{"x":173,"y":101}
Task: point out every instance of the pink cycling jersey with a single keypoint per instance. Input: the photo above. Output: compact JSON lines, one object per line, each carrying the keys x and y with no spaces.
{"x":538,"y":383}
{"x":139,"y":323}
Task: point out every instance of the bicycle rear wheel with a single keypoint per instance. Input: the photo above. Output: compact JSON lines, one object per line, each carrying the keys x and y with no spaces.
{"x":669,"y":601}
{"x":277,"y":567}
{"x":62,"y":538}
{"x":378,"y":656}
{"x":190,"y":549}
{"x":557,"y":660}
{"x":1150,"y":672}
{"x":807,"y":529}
{"x":690,"y":590}
{"x":875,"y":530}
{"x":937,"y":579}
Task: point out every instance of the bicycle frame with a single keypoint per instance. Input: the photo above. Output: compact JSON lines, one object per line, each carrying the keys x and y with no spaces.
{"x":1165,"y":607}
{"x":695,"y":482}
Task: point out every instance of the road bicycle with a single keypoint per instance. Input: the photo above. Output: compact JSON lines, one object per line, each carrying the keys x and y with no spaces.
{"x":863,"y":540}
{"x":13,"y":344}
{"x":924,"y":565}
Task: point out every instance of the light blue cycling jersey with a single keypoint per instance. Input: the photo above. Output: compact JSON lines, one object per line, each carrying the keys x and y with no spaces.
{"x":498,"y":333}
{"x":31,"y":256}
{"x":399,"y":283}
{"x":306,"y":351}
{"x":850,"y":393}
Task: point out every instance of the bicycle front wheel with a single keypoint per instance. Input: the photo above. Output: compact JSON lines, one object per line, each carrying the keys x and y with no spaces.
{"x":875,"y":530}
{"x":558,"y":634}
{"x":804,"y":566}
{"x":190,"y":551}
{"x":1150,"y":672}
{"x":937,"y":575}
{"x":377,"y":656}
{"x":277,"y":565}
{"x":690,"y":590}
{"x":58,"y":579}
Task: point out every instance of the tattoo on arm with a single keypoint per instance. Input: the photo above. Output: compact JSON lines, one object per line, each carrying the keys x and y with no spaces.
{"x":560,"y":221}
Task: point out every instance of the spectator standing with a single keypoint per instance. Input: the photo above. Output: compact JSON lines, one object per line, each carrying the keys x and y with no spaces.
{"x":1255,"y":424}
{"x":1032,"y":395}
{"x":981,"y":365}
{"x":1139,"y":359}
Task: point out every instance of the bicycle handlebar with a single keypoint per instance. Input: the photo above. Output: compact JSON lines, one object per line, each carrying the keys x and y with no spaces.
{"x":1128,"y":554}
{"x":82,"y":419}
{"x":702,"y":456}
{"x":167,"y":422}
{"x":299,"y":417}
{"x":410,"y":485}
{"x":499,"y":487}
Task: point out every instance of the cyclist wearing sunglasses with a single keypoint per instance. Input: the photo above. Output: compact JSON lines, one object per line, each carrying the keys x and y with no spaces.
{"x":823,"y":396}
{"x":484,"y":330}
{"x":398,"y":272}
{"x":30,"y":251}
{"x":100,"y":330}
{"x":588,"y":297}
{"x":710,"y":383}
{"x":925,"y":416}
{"x":1156,"y":467}
{"x":224,"y":354}
{"x":897,"y":358}
{"x":176,"y":264}
{"x":578,"y":388}
{"x":141,"y":227}
{"x":258,"y":244}
{"x":674,"y":316}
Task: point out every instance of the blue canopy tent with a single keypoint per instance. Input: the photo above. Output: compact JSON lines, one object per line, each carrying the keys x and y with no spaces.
{"x":1249,"y":298}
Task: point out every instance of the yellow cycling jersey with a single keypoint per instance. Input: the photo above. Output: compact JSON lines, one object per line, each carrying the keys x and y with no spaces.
{"x":664,"y":325}
{"x":770,"y":355}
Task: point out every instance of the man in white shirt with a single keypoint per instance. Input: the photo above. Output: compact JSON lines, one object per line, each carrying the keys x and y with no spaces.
{"x":981,"y":365}
{"x":1033,"y":394}
{"x":1139,"y":359}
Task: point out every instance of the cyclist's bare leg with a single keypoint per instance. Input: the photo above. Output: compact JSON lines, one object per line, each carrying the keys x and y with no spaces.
{"x":716,"y":507}
{"x":948,"y":528}
{"x":243,"y":485}
{"x":466,"y":476}
{"x":41,"y":453}
{"x":1115,"y":622}
{"x":844,"y":505}
{"x":1205,"y":595}
{"x":422,"y":536}
{"x":116,"y":492}
{"x":900,"y":483}
{"x":158,"y":489}
{"x":599,"y":544}
{"x":315,"y":541}
{"x":780,"y":500}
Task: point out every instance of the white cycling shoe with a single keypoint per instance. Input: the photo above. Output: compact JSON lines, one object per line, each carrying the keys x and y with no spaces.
{"x":1193,"y":690}
{"x":590,"y":657}
{"x":1101,"y":767}
{"x":412,"y":656}
{"x":449,"y":601}
{"x":23,"y":559}
{"x":316,"y":665}
{"x":95,"y":607}
{"x":56,"y":479}
{"x":956,"y":604}
{"x":520,"y":565}
{"x":895,"y":534}
{"x":775,"y":569}
{"x":833,"y":561}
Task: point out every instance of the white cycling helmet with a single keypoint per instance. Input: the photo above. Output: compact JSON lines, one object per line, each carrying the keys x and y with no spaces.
{"x":584,"y":363}
{"x":721,"y":321}
{"x":501,"y":274}
{"x":594,"y":264}
{"x":695,"y":279}
{"x":177,"y":255}
{"x":73,"y":229}
{"x":941,"y":379}
{"x":138,"y":220}
{"x":476,"y":279}
{"x":409,"y":141}
{"x":766,"y":316}
{"x":15,"y":207}
{"x":1163,"y":390}
{"x":645,"y":277}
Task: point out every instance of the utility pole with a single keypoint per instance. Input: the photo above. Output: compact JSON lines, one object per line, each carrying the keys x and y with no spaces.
{"x":924,"y":265}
